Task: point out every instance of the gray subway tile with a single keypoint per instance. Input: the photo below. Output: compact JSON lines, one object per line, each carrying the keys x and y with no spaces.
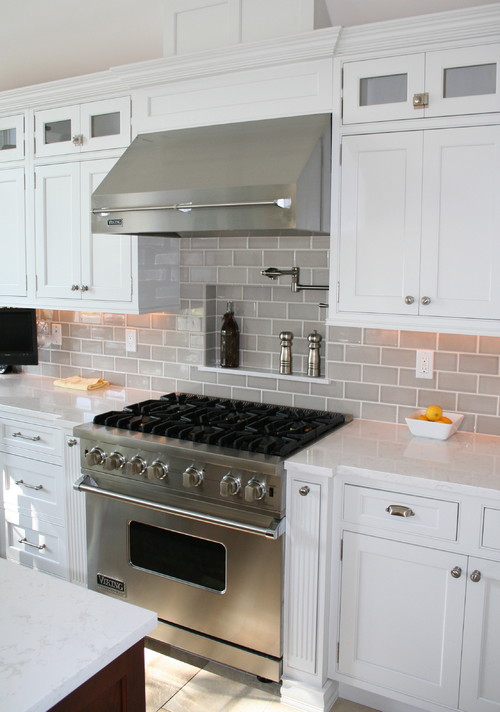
{"x":478,"y":364}
{"x":457,"y":342}
{"x":346,"y":334}
{"x":380,"y":337}
{"x":399,"y":396}
{"x":417,"y":340}
{"x":487,"y":405}
{"x":362,"y":354}
{"x":362,"y":391}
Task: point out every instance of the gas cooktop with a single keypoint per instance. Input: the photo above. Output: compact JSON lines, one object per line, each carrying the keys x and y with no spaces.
{"x":240,"y":425}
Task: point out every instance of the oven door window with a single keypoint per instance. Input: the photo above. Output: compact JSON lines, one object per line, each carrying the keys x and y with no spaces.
{"x":189,"y":559}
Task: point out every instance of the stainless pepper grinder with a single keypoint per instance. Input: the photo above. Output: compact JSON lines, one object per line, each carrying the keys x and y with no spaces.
{"x":286,"y":352}
{"x":313,"y":361}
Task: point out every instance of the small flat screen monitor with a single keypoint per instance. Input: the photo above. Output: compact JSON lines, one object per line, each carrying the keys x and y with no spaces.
{"x":18,"y":341}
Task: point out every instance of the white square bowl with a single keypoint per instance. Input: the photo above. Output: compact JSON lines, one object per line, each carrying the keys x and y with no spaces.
{"x":430,"y":429}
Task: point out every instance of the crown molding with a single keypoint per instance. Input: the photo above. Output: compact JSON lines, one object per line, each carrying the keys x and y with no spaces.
{"x":318,"y":44}
{"x":471,"y":25}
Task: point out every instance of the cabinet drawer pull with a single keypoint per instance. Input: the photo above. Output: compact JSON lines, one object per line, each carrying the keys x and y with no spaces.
{"x":28,"y":543}
{"x":397,"y":510}
{"x":456,"y":572}
{"x":35,"y":438}
{"x":304,"y":490}
{"x":475,"y":576}
{"x":26,"y":484}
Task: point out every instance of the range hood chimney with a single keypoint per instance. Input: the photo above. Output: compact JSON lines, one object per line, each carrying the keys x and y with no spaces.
{"x":267,"y":177}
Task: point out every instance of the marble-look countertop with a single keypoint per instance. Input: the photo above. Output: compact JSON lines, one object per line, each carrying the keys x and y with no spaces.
{"x":388,"y":451}
{"x":20,"y":392}
{"x":55,"y":635}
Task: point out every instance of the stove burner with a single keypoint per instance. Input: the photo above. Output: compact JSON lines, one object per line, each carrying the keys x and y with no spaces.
{"x":241,"y":425}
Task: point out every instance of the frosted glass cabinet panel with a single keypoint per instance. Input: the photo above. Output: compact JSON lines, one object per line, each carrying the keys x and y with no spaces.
{"x":12,"y":138}
{"x":442,"y":83}
{"x":86,"y":127}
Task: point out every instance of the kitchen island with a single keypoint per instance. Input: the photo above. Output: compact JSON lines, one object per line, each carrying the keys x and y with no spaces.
{"x":68,"y":648}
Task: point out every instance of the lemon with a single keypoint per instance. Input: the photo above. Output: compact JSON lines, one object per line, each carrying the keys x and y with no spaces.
{"x":434,"y":412}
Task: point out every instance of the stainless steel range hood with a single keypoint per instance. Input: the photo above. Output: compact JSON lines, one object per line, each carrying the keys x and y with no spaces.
{"x":259,"y":178}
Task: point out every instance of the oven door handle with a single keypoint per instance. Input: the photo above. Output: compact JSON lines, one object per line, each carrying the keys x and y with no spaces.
{"x":273,"y":531}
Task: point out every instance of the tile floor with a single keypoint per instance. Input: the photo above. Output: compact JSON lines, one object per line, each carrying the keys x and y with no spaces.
{"x":182,"y":683}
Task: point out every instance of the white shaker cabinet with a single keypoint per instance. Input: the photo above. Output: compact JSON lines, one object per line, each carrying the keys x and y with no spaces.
{"x":420,"y":218}
{"x":73,"y":263}
{"x":11,"y":138}
{"x":401,"y":613}
{"x":79,"y":128}
{"x":13,"y":279}
{"x":412,"y":86}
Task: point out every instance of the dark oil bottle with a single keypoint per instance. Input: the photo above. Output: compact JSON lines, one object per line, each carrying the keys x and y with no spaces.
{"x":229,"y":340}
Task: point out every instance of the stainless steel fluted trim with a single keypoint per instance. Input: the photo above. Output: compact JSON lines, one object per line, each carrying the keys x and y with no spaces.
{"x":273,"y":531}
{"x":186,"y":207}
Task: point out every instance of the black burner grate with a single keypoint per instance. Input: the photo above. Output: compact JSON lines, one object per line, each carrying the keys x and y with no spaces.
{"x":242,"y":425}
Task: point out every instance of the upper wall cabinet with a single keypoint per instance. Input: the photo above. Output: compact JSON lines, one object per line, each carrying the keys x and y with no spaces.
{"x":12,"y":138}
{"x":443,"y":83}
{"x":85,"y":127}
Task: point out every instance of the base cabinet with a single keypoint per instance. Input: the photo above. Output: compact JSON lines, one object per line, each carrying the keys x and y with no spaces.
{"x":418,"y":620}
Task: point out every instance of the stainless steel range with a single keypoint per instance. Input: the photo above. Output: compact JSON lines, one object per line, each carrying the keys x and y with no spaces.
{"x":185,"y":507}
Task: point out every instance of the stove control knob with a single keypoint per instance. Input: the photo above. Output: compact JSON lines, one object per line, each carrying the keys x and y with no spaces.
{"x":135,"y":466}
{"x":114,"y":461}
{"x":229,"y":485}
{"x":157,"y":470}
{"x":254,"y":491}
{"x":192,"y":477}
{"x":96,"y":456}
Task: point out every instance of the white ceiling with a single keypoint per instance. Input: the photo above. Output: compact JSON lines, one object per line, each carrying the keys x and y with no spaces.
{"x":56,"y":39}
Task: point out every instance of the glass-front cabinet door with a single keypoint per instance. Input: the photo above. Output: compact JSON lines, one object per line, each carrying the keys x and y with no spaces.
{"x":12,"y":138}
{"x":442,"y":83}
{"x":86,"y":127}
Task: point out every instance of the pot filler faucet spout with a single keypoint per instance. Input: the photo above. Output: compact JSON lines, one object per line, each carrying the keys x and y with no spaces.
{"x":294,"y":272}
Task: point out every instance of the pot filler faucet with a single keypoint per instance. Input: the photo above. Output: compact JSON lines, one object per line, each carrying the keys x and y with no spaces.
{"x":294,"y":272}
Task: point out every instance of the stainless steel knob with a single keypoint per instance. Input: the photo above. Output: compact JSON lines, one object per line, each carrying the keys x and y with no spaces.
{"x":157,"y":470}
{"x":229,"y":485}
{"x":84,"y":287}
{"x":75,"y":287}
{"x":72,"y":442}
{"x":114,"y":461}
{"x":77,"y":140}
{"x":456,"y":572}
{"x":95,"y":456}
{"x":254,"y":491}
{"x":425,"y":301}
{"x":409,"y":299}
{"x":304,"y":491}
{"x":192,"y":477}
{"x":135,"y":466}
{"x":475,"y":576}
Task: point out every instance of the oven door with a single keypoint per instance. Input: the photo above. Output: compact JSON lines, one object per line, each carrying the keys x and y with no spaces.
{"x":205,"y":577}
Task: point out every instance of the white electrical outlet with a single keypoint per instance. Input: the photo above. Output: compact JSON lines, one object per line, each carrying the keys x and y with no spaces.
{"x":425,"y":364}
{"x":130,"y":340}
{"x":56,"y":335}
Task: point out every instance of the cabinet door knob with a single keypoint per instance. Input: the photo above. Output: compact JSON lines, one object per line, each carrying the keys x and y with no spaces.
{"x":84,"y":288}
{"x":397,"y":510}
{"x":72,"y":442}
{"x":425,"y":301}
{"x":420,"y":101}
{"x":77,"y":140}
{"x":456,"y":572}
{"x":409,"y":299}
{"x":75,"y":287}
{"x":304,"y":490}
{"x":475,"y":576}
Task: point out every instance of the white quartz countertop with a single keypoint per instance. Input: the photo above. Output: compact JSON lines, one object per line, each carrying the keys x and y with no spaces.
{"x":21,"y":392}
{"x":387,"y":451}
{"x":55,"y":635}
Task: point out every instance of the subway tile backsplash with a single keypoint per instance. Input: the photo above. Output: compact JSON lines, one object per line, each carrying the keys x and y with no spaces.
{"x":370,"y":372}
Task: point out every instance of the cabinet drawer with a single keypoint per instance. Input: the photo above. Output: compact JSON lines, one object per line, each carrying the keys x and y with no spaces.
{"x":35,"y":543}
{"x":491,"y":528}
{"x":25,"y":437}
{"x":410,"y":514}
{"x":33,"y":486}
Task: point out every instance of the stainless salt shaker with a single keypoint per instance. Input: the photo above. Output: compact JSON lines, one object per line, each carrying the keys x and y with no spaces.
{"x":286,"y":352}
{"x":313,"y":360}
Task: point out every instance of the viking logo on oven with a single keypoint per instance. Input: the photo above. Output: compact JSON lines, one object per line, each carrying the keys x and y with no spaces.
{"x":111,"y":583}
